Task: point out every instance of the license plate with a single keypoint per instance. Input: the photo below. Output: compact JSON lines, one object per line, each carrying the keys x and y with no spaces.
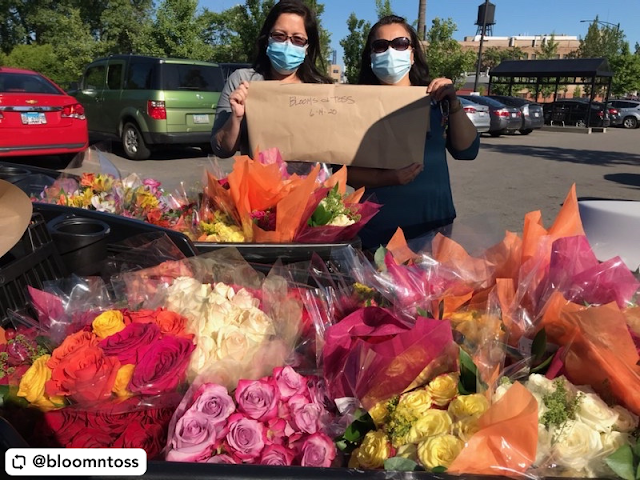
{"x":481,"y":114}
{"x":33,"y":118}
{"x":513,"y":115}
{"x":536,"y":114}
{"x":201,"y":118}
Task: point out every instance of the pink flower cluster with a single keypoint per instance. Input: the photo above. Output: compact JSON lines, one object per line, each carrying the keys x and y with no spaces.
{"x":277,"y":420}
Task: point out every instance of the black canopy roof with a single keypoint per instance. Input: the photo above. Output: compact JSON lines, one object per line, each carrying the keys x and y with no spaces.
{"x":565,"y":67}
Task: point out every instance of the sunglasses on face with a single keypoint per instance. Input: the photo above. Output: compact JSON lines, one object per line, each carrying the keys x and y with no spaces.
{"x":382,"y":45}
{"x":281,"y":37}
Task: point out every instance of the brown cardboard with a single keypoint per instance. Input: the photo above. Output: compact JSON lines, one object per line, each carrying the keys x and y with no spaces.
{"x":361,"y":125}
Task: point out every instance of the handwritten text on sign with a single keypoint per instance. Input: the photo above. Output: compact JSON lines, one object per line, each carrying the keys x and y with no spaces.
{"x":321,"y":105}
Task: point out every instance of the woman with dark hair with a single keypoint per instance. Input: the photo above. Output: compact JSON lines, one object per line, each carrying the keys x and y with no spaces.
{"x":288,"y":50}
{"x":418,"y":197}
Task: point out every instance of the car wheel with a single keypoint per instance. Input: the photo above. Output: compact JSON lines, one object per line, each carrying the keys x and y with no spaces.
{"x":630,"y":122}
{"x":495,"y":134}
{"x":525,"y":131}
{"x":133,"y":143}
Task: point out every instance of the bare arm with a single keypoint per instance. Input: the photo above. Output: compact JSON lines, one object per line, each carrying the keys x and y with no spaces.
{"x":226,"y":140}
{"x":462,"y":133}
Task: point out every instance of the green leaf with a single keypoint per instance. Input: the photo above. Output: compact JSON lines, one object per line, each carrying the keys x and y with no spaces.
{"x":439,"y":469}
{"x":423,"y":313}
{"x":638,"y":473}
{"x":342,"y":445}
{"x":378,"y":258}
{"x":636,"y":447}
{"x":542,"y":367}
{"x":621,"y":462}
{"x":539,"y":345}
{"x":400,"y":464}
{"x":468,"y":374}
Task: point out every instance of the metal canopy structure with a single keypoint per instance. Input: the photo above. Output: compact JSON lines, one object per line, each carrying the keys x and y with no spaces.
{"x":594,"y":72}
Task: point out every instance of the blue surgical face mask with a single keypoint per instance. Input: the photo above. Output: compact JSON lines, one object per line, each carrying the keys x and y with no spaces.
{"x":285,"y":57}
{"x":391,"y":65}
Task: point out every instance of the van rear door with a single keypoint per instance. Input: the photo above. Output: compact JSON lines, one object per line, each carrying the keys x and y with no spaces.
{"x":191,"y":94}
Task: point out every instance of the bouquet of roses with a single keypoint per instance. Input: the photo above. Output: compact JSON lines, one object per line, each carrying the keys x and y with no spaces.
{"x":578,"y":433}
{"x":281,"y":419}
{"x":129,"y":363}
{"x":428,"y":425}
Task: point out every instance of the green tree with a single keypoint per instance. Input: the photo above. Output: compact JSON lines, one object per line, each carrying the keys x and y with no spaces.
{"x":179,"y":32}
{"x":492,"y":57}
{"x":626,"y":68}
{"x":444,"y":54}
{"x":352,"y":45}
{"x":383,"y":8}
{"x":577,"y":93}
{"x":12,"y":28}
{"x":124,"y":25}
{"x":548,"y":50}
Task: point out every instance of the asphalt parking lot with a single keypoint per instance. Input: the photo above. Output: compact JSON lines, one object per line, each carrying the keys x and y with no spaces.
{"x":511,"y":176}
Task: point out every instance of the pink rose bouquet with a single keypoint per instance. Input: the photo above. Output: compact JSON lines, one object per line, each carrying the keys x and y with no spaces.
{"x":277,"y":420}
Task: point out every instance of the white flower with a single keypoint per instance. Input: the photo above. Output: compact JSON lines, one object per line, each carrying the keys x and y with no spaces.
{"x":224,"y":290}
{"x":202,"y":356}
{"x":341,"y":221}
{"x":244,"y":299}
{"x":103,"y":204}
{"x":575,"y":445}
{"x":627,"y":421}
{"x":543,"y":449}
{"x":256,"y":325}
{"x":501,"y":390}
{"x":610,"y":443}
{"x":542,"y":385}
{"x":232,"y":342}
{"x":594,"y":412}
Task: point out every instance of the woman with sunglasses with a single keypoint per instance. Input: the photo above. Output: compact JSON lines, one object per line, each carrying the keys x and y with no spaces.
{"x":417,"y":198}
{"x":288,"y":49}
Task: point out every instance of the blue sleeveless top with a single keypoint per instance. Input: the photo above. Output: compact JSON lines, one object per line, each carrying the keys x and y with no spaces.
{"x":424,"y":204}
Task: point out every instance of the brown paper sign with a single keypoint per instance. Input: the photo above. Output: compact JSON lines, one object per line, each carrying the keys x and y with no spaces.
{"x":361,"y":125}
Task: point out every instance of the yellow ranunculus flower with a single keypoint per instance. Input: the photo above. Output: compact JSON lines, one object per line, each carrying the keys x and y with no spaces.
{"x":468,"y":405}
{"x":466,"y":428}
{"x":108,"y":323}
{"x":123,"y":377}
{"x":379,"y":413}
{"x":431,"y":424}
{"x":33,"y":381}
{"x":443,"y":388}
{"x":374,"y":450}
{"x":418,"y":402}
{"x":439,"y":451}
{"x":353,"y":459}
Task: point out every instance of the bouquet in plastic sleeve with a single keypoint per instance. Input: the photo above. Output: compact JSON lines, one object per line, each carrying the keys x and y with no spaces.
{"x":373,"y":355}
{"x":280,"y":419}
{"x":579,"y":434}
{"x":120,"y":367}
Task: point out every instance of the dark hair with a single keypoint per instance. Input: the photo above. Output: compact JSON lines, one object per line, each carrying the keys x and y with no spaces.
{"x":308,"y":72}
{"x":419,"y":73}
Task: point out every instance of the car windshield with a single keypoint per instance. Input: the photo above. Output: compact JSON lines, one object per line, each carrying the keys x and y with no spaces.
{"x":203,"y":78}
{"x":26,"y":83}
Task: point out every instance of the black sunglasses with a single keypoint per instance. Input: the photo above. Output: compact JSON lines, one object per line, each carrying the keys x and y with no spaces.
{"x":281,"y":37}
{"x":382,"y":45}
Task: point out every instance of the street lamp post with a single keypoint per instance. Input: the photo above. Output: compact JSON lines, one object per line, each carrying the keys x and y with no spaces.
{"x":616,"y":25}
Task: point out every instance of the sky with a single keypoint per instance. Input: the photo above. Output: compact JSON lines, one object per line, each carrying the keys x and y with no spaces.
{"x":512,"y":17}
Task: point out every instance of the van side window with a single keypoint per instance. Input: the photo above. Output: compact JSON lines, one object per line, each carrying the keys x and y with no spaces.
{"x":139,"y":76}
{"x":114,"y":76}
{"x":94,"y":78}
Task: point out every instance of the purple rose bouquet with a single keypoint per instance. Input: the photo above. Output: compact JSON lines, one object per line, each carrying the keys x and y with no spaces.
{"x":277,"y":420}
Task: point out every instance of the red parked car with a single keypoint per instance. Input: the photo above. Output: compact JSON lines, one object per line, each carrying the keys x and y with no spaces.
{"x":37,"y":117}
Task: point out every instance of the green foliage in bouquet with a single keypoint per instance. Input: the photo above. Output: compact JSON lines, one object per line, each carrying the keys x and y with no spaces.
{"x":355,"y":432}
{"x":625,"y":461}
{"x":330,"y":209}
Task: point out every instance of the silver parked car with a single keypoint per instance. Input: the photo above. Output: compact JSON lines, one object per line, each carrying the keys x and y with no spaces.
{"x":532,"y":114}
{"x":504,"y":119}
{"x":478,"y":114}
{"x":629,"y":112}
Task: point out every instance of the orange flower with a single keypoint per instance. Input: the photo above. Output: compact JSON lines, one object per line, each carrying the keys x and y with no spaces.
{"x":87,"y":179}
{"x":171,"y":323}
{"x":85,"y":375}
{"x":70,"y":344}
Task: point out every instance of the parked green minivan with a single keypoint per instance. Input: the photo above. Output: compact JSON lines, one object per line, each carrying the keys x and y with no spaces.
{"x":148,"y":101}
